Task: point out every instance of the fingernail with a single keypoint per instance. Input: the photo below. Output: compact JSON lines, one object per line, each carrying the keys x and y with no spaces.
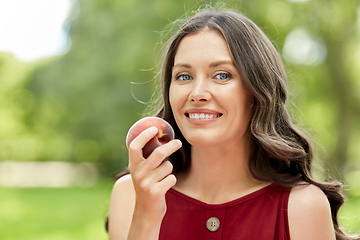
{"x":153,"y":129}
{"x":179,"y":142}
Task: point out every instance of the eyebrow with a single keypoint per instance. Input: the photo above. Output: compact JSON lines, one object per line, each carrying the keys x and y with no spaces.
{"x":218,"y":63}
{"x":212,"y":65}
{"x":185,"y":65}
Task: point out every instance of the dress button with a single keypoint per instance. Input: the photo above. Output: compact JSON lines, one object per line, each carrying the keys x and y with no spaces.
{"x":213,"y":224}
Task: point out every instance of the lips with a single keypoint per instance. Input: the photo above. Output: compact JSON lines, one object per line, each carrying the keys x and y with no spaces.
{"x":202,"y":114}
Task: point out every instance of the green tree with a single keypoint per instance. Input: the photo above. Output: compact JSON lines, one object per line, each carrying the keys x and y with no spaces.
{"x":16,"y":142}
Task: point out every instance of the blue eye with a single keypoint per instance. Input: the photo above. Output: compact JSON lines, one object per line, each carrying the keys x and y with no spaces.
{"x":184,"y":77}
{"x":222,"y":76}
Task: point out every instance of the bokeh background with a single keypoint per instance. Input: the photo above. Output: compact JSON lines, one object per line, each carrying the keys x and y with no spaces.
{"x":68,"y":97}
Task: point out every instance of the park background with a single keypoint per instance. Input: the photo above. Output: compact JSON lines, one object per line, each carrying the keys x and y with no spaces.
{"x":64,"y":118}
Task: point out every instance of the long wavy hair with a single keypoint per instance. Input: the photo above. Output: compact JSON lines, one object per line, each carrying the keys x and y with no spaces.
{"x":280,"y":152}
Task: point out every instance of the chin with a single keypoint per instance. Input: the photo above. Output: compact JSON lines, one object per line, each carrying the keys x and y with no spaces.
{"x":201,"y":141}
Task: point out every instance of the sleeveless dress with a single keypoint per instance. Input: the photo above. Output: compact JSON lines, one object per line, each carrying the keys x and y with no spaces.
{"x":261,"y":215}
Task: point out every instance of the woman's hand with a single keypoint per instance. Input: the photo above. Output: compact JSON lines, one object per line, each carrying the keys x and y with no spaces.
{"x":152,"y":178}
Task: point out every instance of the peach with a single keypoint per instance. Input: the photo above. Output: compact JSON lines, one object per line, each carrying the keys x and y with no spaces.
{"x":165,"y":133}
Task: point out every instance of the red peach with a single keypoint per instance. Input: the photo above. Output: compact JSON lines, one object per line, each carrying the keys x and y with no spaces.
{"x":165,"y":133}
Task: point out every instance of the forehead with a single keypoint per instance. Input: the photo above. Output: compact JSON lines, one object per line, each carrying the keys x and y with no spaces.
{"x":202,"y":46}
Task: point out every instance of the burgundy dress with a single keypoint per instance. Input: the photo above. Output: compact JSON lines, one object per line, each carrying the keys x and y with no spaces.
{"x":261,"y":215}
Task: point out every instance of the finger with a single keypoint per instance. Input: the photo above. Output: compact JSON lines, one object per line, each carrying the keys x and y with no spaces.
{"x":152,"y":178}
{"x":136,"y":146}
{"x":168,"y":182}
{"x":161,"y":153}
{"x":162,"y":171}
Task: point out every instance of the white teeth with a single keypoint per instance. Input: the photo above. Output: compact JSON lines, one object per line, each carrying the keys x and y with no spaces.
{"x":202,"y":116}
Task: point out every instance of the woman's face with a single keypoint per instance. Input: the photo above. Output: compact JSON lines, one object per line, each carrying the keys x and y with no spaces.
{"x":210,"y":102}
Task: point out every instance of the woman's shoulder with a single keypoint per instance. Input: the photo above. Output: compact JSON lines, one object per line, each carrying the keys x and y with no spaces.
{"x":123,"y":191}
{"x":309,"y":213}
{"x":122,"y":204}
{"x":303,"y":192}
{"x":124,"y":183}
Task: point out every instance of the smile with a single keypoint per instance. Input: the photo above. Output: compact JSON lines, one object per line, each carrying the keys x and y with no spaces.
{"x":202,"y":116}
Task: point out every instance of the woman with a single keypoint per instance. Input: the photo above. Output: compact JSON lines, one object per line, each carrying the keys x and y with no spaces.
{"x":240,"y":169}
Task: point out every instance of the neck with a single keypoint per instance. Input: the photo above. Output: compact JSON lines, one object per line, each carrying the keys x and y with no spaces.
{"x":218,"y":174}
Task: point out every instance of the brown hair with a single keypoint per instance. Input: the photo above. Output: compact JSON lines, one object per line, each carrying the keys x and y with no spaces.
{"x":280,"y":152}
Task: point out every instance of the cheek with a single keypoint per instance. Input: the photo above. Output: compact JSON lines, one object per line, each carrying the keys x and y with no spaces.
{"x":245,"y":99}
{"x":171,"y":97}
{"x":176,"y":97}
{"x":248,"y":109}
{"x":174,"y":101}
{"x":175,"y":104}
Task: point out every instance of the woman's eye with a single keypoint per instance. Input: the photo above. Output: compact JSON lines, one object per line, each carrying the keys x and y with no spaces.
{"x":222,"y":76}
{"x":184,"y":77}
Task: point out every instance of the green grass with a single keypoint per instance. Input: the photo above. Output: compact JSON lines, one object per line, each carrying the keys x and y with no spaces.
{"x":54,"y":214}
{"x":78,"y":213}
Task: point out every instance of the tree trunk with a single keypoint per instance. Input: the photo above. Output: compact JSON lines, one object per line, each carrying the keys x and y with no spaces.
{"x":342,"y":91}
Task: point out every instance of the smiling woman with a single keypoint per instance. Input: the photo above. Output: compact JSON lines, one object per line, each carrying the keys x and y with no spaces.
{"x":34,"y":29}
{"x":243,"y":170}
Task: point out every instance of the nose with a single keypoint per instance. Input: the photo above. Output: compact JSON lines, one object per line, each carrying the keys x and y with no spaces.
{"x":200,"y":90}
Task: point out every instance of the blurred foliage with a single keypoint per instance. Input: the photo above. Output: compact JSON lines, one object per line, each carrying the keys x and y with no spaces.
{"x":78,"y":107}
